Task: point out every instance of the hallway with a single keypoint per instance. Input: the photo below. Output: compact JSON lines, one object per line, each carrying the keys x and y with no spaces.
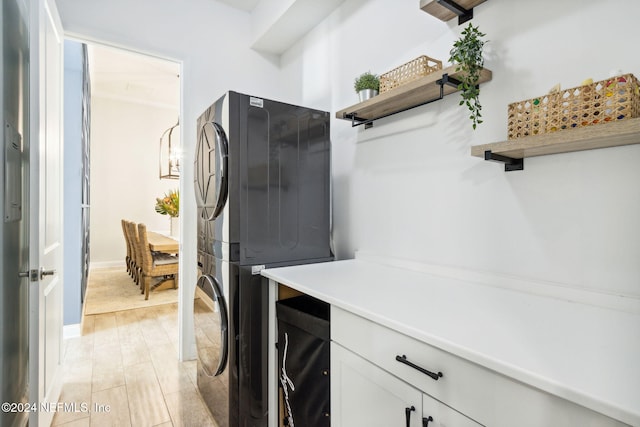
{"x":124,"y":371}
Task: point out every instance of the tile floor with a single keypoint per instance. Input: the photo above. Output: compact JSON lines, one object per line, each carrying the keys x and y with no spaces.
{"x":128,"y":361}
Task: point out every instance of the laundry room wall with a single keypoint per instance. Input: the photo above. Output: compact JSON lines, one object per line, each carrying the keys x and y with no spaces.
{"x":408,"y":187}
{"x":73,"y":270}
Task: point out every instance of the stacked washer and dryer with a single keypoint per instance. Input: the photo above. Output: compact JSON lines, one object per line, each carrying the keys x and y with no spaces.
{"x":262,"y":181}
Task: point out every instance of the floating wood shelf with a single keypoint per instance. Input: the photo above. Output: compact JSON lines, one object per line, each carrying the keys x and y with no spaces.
{"x":410,"y":95}
{"x":446,"y":10}
{"x":614,"y":134}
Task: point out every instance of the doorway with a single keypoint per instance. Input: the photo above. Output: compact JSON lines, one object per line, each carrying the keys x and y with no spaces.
{"x":135,"y":98}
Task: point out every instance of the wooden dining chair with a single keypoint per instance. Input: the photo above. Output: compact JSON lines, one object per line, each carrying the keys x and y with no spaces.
{"x":127,"y":259}
{"x":136,"y":256}
{"x":157,"y":265}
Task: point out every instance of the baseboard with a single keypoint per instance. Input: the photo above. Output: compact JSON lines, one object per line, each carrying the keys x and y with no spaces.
{"x":567,"y":292}
{"x":71,"y":331}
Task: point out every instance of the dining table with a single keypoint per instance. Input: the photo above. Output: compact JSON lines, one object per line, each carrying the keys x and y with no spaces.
{"x":162,"y":243}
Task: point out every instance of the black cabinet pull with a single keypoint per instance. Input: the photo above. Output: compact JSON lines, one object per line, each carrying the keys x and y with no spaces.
{"x":425,"y":421}
{"x":407,"y":413}
{"x":403,"y":359}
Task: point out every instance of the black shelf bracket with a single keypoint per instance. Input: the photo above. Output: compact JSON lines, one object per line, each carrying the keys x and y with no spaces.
{"x":464,"y":14}
{"x":358,"y":121}
{"x":510,"y":164}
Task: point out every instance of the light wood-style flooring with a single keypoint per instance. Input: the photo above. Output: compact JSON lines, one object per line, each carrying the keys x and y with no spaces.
{"x":128,"y":361}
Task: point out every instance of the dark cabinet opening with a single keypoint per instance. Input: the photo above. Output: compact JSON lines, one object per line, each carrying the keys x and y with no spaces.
{"x":304,"y":353}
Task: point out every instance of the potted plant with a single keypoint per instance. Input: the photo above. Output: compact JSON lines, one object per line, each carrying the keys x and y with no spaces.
{"x":367,"y":85}
{"x":170,"y":205}
{"x":467,"y":55}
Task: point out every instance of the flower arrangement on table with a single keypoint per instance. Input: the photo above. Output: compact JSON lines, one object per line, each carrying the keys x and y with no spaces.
{"x":169,"y":204}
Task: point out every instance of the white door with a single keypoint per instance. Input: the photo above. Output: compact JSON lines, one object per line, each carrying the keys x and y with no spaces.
{"x":45,"y":253}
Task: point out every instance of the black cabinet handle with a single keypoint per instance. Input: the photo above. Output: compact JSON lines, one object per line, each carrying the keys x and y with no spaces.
{"x":425,"y":421}
{"x":403,"y":359}
{"x":407,"y":413}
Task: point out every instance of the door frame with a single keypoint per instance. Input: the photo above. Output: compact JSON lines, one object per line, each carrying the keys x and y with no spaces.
{"x":186,"y":349}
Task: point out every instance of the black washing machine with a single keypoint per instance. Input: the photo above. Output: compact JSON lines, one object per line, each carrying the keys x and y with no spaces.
{"x":262,"y":182}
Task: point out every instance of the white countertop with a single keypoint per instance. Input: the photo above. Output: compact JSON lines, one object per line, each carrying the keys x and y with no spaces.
{"x":585,"y":354}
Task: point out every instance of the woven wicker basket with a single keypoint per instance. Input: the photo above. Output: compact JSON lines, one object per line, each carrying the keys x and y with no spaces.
{"x":616,"y":98}
{"x":419,"y":67}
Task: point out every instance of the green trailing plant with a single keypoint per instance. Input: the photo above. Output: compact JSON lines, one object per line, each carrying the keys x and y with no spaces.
{"x":467,"y":55}
{"x":366,"y":81}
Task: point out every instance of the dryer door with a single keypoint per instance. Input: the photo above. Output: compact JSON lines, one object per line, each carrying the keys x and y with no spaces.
{"x":211,"y":170}
{"x":212,"y":327}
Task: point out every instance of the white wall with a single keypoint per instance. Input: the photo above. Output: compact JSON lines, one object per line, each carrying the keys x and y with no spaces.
{"x":124,"y":172}
{"x":73,"y":268}
{"x":408,"y":187}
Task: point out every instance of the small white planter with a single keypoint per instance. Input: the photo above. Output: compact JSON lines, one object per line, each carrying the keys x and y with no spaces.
{"x":365,"y":94}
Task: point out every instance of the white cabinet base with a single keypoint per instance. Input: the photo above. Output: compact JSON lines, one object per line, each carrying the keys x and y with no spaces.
{"x":467,"y":394}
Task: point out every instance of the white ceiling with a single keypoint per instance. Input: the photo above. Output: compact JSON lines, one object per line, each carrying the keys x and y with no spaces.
{"x":247,"y":5}
{"x":125,"y":75}
{"x":120,"y":74}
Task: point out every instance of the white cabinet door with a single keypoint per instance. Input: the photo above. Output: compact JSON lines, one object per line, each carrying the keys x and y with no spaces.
{"x":364,"y":395}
